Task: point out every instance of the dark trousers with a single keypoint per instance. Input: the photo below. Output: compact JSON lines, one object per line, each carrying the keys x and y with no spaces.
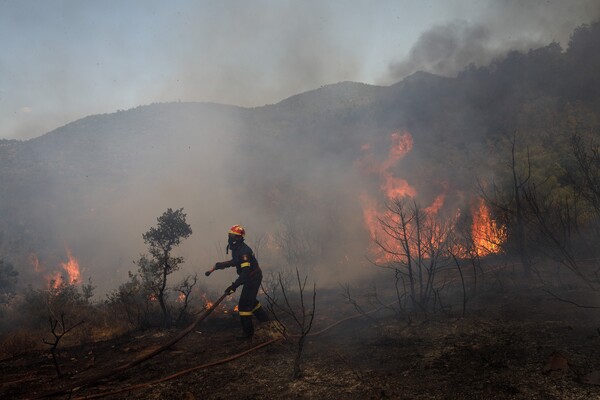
{"x":249,"y":304}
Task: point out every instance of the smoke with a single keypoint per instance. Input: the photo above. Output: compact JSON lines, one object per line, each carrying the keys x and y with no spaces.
{"x":254,"y":53}
{"x":289,"y":181}
{"x":501,"y":26}
{"x":445,"y":50}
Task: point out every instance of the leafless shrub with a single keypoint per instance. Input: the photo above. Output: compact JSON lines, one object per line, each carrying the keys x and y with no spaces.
{"x":292,"y":306}
{"x":55,"y":325}
{"x":415,"y":245}
{"x":185,"y":290}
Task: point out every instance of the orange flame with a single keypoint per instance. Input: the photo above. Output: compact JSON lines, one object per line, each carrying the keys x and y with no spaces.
{"x":436,"y":205}
{"x":392,"y":187}
{"x":487,"y":234}
{"x":72,"y":268}
{"x":55,"y":280}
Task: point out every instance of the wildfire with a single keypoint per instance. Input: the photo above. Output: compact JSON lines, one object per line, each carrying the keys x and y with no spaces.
{"x":55,"y":279}
{"x":487,"y":235}
{"x":393,"y":188}
{"x":71,"y":267}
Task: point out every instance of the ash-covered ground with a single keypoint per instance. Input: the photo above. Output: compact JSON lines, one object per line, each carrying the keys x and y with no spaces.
{"x":514,"y":343}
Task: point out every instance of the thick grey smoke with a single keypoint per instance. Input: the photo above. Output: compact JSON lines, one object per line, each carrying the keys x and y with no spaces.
{"x":446,"y":49}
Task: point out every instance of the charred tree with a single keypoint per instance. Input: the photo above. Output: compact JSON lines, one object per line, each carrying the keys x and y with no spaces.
{"x":296,"y":310}
{"x":185,"y":290}
{"x":513,"y":207}
{"x":55,"y":324}
{"x":415,"y":244}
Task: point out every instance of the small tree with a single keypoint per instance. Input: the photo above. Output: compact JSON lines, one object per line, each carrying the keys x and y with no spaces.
{"x":154,"y":269}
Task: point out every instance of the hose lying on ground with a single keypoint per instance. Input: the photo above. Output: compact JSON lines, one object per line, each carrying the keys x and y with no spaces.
{"x":175,"y":375}
{"x":137,"y":361}
{"x":181,"y":335}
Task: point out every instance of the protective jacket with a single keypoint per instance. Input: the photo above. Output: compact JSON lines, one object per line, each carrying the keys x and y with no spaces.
{"x":245,"y":263}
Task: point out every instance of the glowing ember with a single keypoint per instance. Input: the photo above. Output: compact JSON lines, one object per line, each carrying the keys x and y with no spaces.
{"x":181,"y":298}
{"x":207,"y":303}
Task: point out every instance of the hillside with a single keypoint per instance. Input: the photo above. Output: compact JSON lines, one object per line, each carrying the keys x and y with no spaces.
{"x":302,"y":155}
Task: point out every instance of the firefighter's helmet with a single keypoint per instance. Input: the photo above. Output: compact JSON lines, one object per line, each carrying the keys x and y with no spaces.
{"x":237,"y":230}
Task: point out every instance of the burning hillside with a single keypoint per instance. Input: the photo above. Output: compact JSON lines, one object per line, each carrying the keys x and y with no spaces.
{"x":387,"y":227}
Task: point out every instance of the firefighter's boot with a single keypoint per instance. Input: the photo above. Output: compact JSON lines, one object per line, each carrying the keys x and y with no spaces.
{"x":262,"y":315}
{"x":247,"y":328}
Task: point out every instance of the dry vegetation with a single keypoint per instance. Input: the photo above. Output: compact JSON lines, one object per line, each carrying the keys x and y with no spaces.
{"x":515,"y":341}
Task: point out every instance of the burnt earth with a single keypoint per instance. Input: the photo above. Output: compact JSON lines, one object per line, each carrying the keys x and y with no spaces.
{"x":523,"y":346}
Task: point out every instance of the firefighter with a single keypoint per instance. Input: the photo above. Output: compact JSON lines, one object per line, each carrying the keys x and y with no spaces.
{"x":249,"y":276}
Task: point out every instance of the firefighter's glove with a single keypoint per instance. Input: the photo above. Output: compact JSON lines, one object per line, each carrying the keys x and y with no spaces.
{"x":230,"y":289}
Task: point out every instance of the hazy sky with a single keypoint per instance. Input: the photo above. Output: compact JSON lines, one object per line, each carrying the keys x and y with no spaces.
{"x":61,"y":60}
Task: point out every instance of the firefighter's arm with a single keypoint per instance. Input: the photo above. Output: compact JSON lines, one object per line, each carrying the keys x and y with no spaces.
{"x":220,"y":265}
{"x":224,"y":264}
{"x":244,"y":271}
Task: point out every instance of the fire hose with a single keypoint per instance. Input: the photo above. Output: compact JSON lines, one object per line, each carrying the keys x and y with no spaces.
{"x":215,"y":363}
{"x":178,"y":374}
{"x":140,"y":359}
{"x":177,"y":338}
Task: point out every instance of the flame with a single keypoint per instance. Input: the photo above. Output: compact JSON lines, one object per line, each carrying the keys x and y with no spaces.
{"x":33,"y":259}
{"x":392,"y":187}
{"x":436,"y":205}
{"x":181,"y":297}
{"x":207,"y":303}
{"x":402,"y":144}
{"x":55,"y":280}
{"x":72,"y":268}
{"x":236,"y":309}
{"x":487,"y":234}
{"x":395,"y":188}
